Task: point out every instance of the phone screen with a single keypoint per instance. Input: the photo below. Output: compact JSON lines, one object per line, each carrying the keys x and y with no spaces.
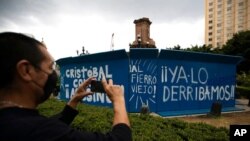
{"x":96,"y":86}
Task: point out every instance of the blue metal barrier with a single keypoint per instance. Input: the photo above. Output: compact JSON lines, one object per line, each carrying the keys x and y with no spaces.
{"x":169,"y":82}
{"x":74,"y":70}
{"x":143,"y":79}
{"x":193,"y":81}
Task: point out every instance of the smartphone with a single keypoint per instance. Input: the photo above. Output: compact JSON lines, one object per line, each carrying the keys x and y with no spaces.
{"x":96,"y":86}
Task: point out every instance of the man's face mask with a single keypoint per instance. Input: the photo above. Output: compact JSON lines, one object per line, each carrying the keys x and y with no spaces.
{"x":49,"y":86}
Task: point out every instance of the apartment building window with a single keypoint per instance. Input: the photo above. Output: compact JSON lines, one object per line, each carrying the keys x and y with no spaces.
{"x":229,"y":13}
{"x":219,"y":6}
{"x":241,"y":19}
{"x":219,"y":25}
{"x":210,"y":21}
{"x":210,"y":15}
{"x":240,"y":26}
{"x":240,"y":12}
{"x":229,"y":34}
{"x":219,"y":31}
{"x":211,"y":4}
{"x":229,"y":29}
{"x":229,"y":8}
{"x":210,"y":33}
{"x":229,"y":22}
{"x":219,"y":19}
{"x":210,"y":27}
{"x":219,"y":12}
{"x":229,"y":2}
{"x":210,"y":39}
{"x":229,"y":17}
{"x":241,"y":3}
{"x":210,"y":9}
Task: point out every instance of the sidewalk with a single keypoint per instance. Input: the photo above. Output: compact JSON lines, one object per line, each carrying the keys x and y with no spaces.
{"x":242,"y":104}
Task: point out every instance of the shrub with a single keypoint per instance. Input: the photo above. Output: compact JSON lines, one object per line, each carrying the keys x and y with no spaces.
{"x":144,"y":127}
{"x":243,"y":79}
{"x":242,"y":92}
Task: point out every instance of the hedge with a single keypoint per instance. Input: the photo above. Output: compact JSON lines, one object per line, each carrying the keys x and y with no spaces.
{"x":144,"y":127}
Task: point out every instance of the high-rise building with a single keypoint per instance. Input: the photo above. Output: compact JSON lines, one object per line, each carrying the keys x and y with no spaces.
{"x":223,"y":18}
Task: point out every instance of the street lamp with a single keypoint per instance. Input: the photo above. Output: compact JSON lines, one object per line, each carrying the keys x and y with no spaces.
{"x":139,"y":40}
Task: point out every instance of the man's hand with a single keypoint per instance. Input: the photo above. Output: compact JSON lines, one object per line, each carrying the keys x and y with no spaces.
{"x":116,"y":95}
{"x":114,"y":92}
{"x":80,"y":93}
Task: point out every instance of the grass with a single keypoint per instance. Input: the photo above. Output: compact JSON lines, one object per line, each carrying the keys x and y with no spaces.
{"x":144,"y":127}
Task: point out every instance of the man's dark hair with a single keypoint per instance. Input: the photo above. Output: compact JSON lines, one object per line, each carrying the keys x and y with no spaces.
{"x":13,"y":48}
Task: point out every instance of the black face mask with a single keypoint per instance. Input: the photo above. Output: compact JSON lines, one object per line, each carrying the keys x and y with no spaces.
{"x":49,"y":86}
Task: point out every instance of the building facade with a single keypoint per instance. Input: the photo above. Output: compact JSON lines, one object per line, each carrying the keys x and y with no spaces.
{"x":223,"y":18}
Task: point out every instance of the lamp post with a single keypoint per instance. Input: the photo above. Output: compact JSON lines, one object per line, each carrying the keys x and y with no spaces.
{"x":147,"y":44}
{"x":139,"y":40}
{"x":83,"y":50}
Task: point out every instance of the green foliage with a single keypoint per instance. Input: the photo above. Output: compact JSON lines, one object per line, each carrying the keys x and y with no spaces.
{"x":243,"y":85}
{"x":243,"y":79}
{"x":196,"y":48}
{"x":204,"y":48}
{"x":242,"y":92}
{"x":144,"y":127}
{"x":240,"y":45}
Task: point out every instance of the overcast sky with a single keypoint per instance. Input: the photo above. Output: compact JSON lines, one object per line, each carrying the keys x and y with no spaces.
{"x":67,"y":25}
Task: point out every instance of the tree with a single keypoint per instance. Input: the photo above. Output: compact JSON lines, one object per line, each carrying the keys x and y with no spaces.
{"x":177,"y":47}
{"x":239,"y":45}
{"x":204,"y":48}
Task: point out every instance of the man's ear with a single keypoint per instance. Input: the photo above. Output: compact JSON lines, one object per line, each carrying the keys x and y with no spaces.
{"x":24,"y":70}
